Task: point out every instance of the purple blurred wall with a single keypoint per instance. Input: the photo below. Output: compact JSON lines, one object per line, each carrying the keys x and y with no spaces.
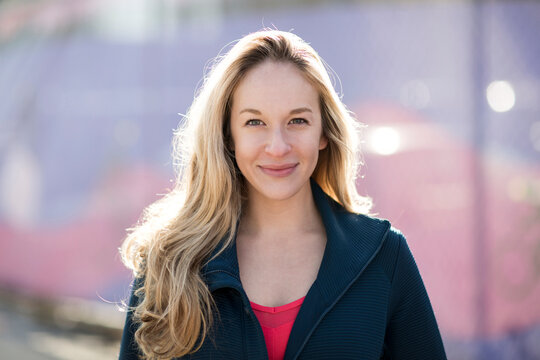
{"x":86,"y":120}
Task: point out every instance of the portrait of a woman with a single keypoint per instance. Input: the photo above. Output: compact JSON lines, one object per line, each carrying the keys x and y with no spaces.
{"x":264,"y":249}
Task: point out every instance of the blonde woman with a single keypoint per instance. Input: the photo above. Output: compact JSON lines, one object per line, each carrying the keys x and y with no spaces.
{"x":263,"y":250}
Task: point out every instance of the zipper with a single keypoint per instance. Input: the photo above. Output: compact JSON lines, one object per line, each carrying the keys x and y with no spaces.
{"x":247,"y":314}
{"x":244,"y":341}
{"x":295,"y":357}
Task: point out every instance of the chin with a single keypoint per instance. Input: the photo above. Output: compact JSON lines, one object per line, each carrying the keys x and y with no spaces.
{"x":279,"y":191}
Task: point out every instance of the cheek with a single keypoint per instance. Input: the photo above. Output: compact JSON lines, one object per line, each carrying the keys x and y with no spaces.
{"x":245,"y":149}
{"x":314,"y":143}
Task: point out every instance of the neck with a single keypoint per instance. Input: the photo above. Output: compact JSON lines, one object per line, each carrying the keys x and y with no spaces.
{"x":275,"y":218}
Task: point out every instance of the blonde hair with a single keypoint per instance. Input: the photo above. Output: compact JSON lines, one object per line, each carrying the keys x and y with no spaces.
{"x":178,"y":233}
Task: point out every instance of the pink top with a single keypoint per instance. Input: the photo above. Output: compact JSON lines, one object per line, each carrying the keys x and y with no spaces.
{"x":276,"y":323}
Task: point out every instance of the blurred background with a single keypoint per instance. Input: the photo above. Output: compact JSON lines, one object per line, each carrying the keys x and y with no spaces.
{"x":90,"y":91}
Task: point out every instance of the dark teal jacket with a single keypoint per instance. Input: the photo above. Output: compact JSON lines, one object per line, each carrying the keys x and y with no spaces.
{"x":368,"y":301}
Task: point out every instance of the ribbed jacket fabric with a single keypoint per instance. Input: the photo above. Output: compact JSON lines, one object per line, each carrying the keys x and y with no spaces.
{"x":368,"y":301}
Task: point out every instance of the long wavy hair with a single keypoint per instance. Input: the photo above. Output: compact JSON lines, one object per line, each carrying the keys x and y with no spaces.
{"x":178,"y":233}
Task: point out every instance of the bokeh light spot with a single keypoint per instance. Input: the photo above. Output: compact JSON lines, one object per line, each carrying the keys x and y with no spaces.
{"x":501,"y":96}
{"x":385,"y":140}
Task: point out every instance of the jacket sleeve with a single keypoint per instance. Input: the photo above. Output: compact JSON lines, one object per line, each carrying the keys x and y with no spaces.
{"x":129,"y":349}
{"x":412,"y":331}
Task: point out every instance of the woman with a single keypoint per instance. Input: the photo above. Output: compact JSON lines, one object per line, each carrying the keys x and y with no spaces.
{"x":261,"y":249}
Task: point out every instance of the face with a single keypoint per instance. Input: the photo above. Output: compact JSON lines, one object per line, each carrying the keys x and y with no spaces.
{"x":276,"y":130}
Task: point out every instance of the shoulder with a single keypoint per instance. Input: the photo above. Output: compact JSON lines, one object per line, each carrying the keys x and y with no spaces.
{"x":388,"y":242}
{"x":359,"y":236}
{"x":370,"y":228}
{"x":392,"y":239}
{"x":367,"y":223}
{"x":137,"y":292}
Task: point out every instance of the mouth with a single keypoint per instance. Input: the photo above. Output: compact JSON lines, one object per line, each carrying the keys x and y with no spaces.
{"x":280,"y":170}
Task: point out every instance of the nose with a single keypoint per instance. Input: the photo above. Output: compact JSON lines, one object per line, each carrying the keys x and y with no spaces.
{"x":277,"y":144}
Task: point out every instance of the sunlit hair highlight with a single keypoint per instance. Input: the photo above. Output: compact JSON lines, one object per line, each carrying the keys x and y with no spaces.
{"x":178,"y":233}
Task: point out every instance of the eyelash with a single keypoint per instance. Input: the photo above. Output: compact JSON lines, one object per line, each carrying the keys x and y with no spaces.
{"x":250,"y":122}
{"x":304,"y":121}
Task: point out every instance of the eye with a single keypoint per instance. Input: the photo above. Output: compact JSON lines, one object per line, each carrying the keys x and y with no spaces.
{"x":254,"y":122}
{"x":298,"y":121}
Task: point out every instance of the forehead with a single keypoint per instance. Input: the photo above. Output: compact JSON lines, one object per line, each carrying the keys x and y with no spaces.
{"x":275,"y":85}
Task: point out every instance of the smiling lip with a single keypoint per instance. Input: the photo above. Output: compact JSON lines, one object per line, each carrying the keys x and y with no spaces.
{"x":278,"y":170}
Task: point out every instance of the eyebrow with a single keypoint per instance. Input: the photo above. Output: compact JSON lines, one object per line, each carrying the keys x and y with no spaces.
{"x":292,"y":112}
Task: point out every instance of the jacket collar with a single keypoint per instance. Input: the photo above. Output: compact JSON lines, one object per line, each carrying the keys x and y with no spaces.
{"x":352,"y":242}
